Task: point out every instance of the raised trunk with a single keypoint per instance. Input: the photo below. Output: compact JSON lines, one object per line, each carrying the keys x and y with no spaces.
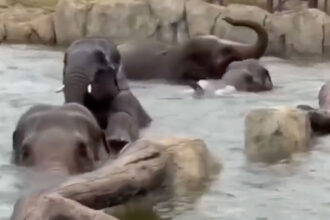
{"x":75,"y":87}
{"x":259,"y":48}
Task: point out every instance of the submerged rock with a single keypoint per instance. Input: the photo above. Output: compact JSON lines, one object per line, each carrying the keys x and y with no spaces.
{"x":275,"y":134}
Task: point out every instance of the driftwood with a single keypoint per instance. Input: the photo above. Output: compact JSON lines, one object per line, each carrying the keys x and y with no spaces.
{"x":136,"y":171}
{"x":140,"y":168}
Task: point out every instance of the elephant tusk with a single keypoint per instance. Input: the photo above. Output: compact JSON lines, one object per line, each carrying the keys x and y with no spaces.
{"x":60,"y":89}
{"x":89,"y":88}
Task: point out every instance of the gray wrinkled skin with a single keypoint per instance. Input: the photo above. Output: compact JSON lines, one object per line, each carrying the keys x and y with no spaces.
{"x":248,"y":75}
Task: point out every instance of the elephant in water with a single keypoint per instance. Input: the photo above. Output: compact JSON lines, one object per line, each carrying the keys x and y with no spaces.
{"x":201,"y":57}
{"x":60,"y":139}
{"x":247,"y":75}
{"x":94,"y":77}
{"x":320,"y":117}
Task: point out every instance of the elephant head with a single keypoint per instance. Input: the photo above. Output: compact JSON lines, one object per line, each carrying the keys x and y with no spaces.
{"x":92,"y":69}
{"x":248,"y":75}
{"x":63,"y":139}
{"x":207,"y":56}
{"x":324,"y":95}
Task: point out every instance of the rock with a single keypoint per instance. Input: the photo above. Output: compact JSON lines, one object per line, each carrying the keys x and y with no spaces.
{"x":121,"y":20}
{"x":168,"y":11}
{"x":167,"y":33}
{"x":201,"y":17}
{"x":182,"y":32}
{"x":244,"y":12}
{"x":2,"y":32}
{"x":326,"y":43}
{"x":70,"y":20}
{"x":298,"y":32}
{"x":17,"y":32}
{"x":275,"y":134}
{"x":49,"y":4}
{"x":192,"y":165}
{"x":43,"y":28}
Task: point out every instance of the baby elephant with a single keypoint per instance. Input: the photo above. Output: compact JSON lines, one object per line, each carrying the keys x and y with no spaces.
{"x":248,"y":75}
{"x":63,"y":139}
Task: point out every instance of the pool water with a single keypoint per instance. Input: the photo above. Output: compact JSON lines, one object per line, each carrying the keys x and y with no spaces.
{"x":300,"y":189}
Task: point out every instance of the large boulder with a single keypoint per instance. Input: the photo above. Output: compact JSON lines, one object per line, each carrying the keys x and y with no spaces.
{"x":191,"y":164}
{"x":122,"y":20}
{"x":201,"y":17}
{"x":168,"y":11}
{"x":296,"y":32}
{"x":244,"y":12}
{"x":43,"y":29}
{"x":70,"y":20}
{"x":26,"y":25}
{"x":272,"y":135}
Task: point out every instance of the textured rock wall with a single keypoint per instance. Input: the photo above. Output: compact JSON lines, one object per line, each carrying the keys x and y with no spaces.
{"x":296,"y":32}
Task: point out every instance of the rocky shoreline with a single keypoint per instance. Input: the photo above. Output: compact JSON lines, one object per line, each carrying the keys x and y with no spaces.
{"x":304,"y":32}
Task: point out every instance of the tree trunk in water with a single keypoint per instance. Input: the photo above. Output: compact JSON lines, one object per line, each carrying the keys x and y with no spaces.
{"x":137,"y":171}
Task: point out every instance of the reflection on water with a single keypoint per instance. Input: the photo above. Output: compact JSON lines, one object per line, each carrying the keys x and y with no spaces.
{"x":243,"y":191}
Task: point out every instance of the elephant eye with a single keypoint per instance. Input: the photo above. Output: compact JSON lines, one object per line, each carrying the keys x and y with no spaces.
{"x":248,"y":78}
{"x":82,"y":149}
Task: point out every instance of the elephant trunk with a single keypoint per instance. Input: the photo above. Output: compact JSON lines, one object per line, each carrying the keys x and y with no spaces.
{"x":75,"y":87}
{"x":259,"y":48}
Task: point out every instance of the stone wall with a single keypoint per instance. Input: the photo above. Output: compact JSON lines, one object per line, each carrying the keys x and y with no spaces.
{"x":296,"y":32}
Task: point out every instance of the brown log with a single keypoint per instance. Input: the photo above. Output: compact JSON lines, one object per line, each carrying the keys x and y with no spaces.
{"x":142,"y":168}
{"x":136,"y":171}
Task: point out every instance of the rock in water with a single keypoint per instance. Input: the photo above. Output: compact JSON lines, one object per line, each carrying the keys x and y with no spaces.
{"x":275,"y":134}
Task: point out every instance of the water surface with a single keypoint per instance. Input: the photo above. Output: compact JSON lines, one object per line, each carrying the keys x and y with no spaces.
{"x":301,"y":189}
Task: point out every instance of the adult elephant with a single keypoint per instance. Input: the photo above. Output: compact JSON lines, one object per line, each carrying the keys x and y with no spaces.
{"x":94,"y":77}
{"x":320,"y":117}
{"x":63,"y":139}
{"x":201,"y":57}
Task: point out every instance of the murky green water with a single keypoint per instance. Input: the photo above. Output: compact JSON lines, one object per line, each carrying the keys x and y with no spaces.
{"x":300,"y":190}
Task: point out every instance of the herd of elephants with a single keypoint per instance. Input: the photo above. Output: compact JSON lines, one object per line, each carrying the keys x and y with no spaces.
{"x":101,"y":115}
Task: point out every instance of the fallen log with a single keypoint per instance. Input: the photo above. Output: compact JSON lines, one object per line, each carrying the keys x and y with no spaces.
{"x":141,"y":168}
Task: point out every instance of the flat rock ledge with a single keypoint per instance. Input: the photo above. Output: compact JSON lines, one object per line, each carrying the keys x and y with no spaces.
{"x":303,"y":32}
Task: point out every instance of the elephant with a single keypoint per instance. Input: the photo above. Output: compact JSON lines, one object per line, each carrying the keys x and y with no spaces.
{"x":62,"y":139}
{"x":320,"y":117}
{"x":121,"y":131}
{"x":246,"y":75}
{"x":201,"y":57}
{"x":94,"y":76}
